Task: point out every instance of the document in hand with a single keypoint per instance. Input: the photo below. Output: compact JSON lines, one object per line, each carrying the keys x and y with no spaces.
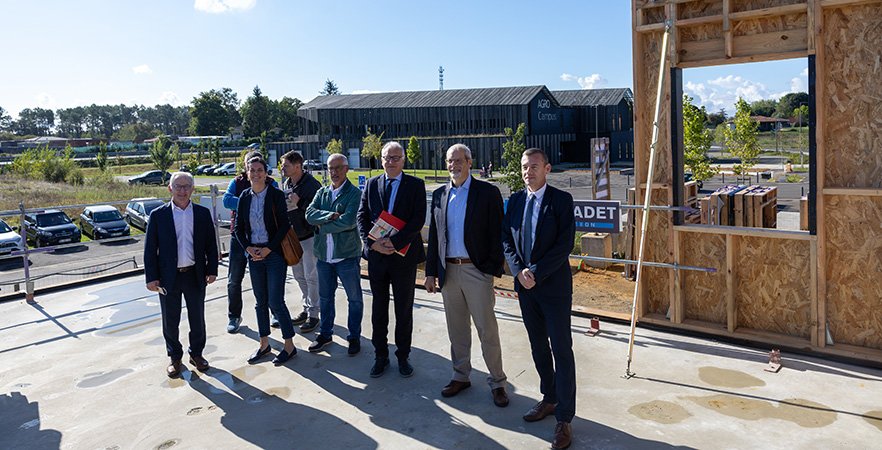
{"x":386,"y":226}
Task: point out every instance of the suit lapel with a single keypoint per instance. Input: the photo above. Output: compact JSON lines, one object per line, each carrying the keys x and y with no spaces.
{"x":543,"y":210}
{"x":471,"y":200}
{"x":441,"y":224}
{"x":381,"y":188}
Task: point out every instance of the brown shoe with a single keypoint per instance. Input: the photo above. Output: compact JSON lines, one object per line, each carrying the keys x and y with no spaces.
{"x":500,"y":398}
{"x":455,"y":387}
{"x":542,"y":410}
{"x":174,"y":368}
{"x":200,"y":362}
{"x":563,"y":435}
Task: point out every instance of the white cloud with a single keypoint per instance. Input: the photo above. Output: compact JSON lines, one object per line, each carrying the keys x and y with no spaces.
{"x":143,"y":69}
{"x":592,"y":81}
{"x":223,"y":6}
{"x":364,"y":91}
{"x":45,"y":100}
{"x":169,"y":97}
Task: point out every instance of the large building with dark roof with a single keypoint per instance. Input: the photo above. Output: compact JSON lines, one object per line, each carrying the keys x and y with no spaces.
{"x":560,"y":122}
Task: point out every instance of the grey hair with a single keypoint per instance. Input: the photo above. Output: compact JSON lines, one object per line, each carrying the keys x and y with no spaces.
{"x":390,"y":145}
{"x":176,"y":175}
{"x":465,"y":149}
{"x":336,"y":156}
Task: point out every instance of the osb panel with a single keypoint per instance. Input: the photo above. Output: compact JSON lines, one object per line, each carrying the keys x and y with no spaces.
{"x":700,"y":8}
{"x":771,"y":24}
{"x":854,"y":269}
{"x":748,"y":5}
{"x":773,"y":285}
{"x":704,"y":294}
{"x":853,"y":100}
{"x":702,"y":32}
{"x":644,"y":99}
{"x":655,"y":280}
{"x":654,"y":15}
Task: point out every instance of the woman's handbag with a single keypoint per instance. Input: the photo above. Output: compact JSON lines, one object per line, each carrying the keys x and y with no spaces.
{"x":291,"y":248}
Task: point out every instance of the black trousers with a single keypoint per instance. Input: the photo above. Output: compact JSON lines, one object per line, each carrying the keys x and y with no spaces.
{"x":384,"y":271}
{"x":193,"y":292}
{"x":547,"y":317}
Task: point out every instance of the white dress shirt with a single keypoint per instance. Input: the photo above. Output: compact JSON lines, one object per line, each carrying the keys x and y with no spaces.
{"x":184,"y":231}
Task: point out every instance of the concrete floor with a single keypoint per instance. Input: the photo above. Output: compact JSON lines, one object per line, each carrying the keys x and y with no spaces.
{"x":85,"y":369}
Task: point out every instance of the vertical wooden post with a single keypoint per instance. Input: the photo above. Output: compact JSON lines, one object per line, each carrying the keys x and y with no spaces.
{"x":731,"y":281}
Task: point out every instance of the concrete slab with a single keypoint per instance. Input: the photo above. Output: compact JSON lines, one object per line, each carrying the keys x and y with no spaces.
{"x":85,"y":368}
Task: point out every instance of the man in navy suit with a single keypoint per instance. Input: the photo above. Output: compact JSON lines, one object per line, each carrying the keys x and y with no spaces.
{"x":180,"y":259}
{"x":537,"y":236}
{"x":404,"y":197}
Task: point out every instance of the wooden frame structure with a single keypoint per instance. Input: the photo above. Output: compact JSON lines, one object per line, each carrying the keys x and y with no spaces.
{"x":783,"y":288}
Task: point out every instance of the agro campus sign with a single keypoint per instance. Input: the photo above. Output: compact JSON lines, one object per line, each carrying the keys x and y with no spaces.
{"x":598,"y":216}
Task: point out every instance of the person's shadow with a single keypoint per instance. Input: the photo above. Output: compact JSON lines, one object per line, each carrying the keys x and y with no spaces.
{"x":20,"y":422}
{"x":268,"y":421}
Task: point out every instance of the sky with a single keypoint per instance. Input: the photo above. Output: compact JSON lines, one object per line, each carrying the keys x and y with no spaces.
{"x":62,"y":53}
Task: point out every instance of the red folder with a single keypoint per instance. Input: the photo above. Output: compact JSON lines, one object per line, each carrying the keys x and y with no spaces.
{"x":386,"y":226}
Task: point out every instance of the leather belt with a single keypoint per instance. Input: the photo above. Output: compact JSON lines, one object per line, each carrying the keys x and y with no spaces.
{"x":458,"y":260}
{"x":185,"y":269}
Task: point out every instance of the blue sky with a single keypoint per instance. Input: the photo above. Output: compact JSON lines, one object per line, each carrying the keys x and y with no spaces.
{"x":61,"y":53}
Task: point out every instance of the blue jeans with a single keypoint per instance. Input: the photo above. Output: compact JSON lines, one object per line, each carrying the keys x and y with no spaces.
{"x":349,"y":272}
{"x":268,"y":284}
{"x":235,"y":275}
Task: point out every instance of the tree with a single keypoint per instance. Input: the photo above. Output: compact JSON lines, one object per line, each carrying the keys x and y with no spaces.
{"x":513,"y":147}
{"x":5,"y":119}
{"x":284,"y":115}
{"x":717,"y":118}
{"x":789,"y":102}
{"x":801,"y":115}
{"x":330,"y":88}
{"x":764,"y":107}
{"x":101,"y":157}
{"x":135,"y":132}
{"x":162,"y":154}
{"x":71,"y":122}
{"x":741,"y":140}
{"x":36,"y":121}
{"x":212,"y":113}
{"x":372,"y":146}
{"x":256,"y":114}
{"x":413,"y":152}
{"x":214,"y":151}
{"x":335,"y":146}
{"x":697,"y":139}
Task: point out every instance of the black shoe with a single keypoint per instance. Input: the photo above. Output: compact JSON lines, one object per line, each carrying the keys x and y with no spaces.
{"x":354,"y":346}
{"x":299,"y":319}
{"x":284,"y":356}
{"x":309,"y":325}
{"x":260,"y":353}
{"x":233,"y":326}
{"x":380,"y":366}
{"x":404,"y":368}
{"x":274,"y":322}
{"x":320,"y":343}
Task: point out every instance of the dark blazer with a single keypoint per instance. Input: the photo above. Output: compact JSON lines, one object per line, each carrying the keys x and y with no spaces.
{"x":161,"y":246}
{"x":555,"y":232}
{"x":410,"y":206}
{"x":277,"y":223}
{"x":482,"y":231}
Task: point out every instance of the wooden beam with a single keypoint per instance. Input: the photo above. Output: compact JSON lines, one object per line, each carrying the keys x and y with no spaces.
{"x":652,"y":27}
{"x":837,"y":3}
{"x":768,"y":12}
{"x":731,"y":282}
{"x":727,"y":27}
{"x":818,"y":333}
{"x":742,"y":59}
{"x":717,"y":18}
{"x":743,"y":231}
{"x":776,"y":42}
{"x":820,"y":131}
{"x":858,"y":192}
{"x":592,"y":312}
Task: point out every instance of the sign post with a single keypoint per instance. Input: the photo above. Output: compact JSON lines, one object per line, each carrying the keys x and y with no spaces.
{"x":600,"y":168}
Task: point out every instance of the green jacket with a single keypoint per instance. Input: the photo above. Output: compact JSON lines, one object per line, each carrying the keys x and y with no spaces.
{"x":347,"y":243}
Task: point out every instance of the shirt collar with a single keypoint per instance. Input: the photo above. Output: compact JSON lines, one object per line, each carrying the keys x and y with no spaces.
{"x":188,"y":208}
{"x":398,"y":178}
{"x":538,"y":194}
{"x":337,"y":190}
{"x":464,"y":186}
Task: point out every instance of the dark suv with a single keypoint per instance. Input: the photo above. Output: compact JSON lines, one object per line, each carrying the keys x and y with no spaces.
{"x":103,"y":221}
{"x":151,"y":177}
{"x":50,"y":227}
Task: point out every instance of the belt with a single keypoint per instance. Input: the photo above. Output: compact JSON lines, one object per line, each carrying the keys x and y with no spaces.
{"x":458,"y":260}
{"x":186,"y":269}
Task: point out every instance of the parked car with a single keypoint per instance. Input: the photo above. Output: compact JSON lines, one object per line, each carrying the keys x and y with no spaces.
{"x":103,"y":221}
{"x":210,"y":170}
{"x":157,"y":177}
{"x":201,"y":169}
{"x":138,"y":211}
{"x":226,"y":169}
{"x":10,"y":240}
{"x":314,"y":164}
{"x":50,"y":227}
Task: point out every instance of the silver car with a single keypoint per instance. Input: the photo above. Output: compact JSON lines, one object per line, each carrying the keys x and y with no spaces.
{"x":10,"y":239}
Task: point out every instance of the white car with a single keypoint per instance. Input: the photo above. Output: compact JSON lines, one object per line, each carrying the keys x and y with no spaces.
{"x":10,"y":240}
{"x":226,"y":169}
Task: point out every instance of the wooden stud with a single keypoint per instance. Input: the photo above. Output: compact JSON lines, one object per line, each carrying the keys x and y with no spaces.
{"x":858,"y":192}
{"x":727,"y":27}
{"x":821,"y":173}
{"x":773,"y":11}
{"x":731,"y":282}
{"x":752,"y":232}
{"x":819,"y":330}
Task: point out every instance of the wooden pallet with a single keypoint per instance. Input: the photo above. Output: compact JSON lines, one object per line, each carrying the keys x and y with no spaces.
{"x":739,"y":205}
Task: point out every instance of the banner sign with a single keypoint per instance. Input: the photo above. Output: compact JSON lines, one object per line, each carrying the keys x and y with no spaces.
{"x":598,"y":216}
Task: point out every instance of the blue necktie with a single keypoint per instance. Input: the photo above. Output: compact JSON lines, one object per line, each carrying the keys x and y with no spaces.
{"x":387,"y":195}
{"x":528,"y":230}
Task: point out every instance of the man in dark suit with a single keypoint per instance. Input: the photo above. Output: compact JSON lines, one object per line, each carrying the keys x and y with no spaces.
{"x":464,"y":254}
{"x":537,"y":236}
{"x":180,"y":259}
{"x":404,"y":197}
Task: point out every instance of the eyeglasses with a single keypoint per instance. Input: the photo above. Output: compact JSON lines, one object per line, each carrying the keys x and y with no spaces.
{"x":456,"y":161}
{"x":336,"y":168}
{"x":392,"y":158}
{"x":182,"y":187}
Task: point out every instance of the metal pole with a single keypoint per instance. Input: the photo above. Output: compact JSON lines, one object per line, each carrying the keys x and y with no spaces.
{"x":25,"y":260}
{"x":215,"y":221}
{"x":647,"y":198}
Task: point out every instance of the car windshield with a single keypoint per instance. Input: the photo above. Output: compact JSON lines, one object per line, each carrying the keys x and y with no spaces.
{"x":106,"y":216}
{"x":147,"y":173}
{"x":4,"y":228}
{"x":150,"y":206}
{"x":52,"y":219}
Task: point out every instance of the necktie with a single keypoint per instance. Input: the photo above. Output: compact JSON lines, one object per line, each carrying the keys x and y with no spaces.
{"x":387,"y":195}
{"x":528,"y":229}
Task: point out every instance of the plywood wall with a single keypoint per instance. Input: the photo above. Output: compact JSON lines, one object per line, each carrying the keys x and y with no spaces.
{"x":704,"y":294}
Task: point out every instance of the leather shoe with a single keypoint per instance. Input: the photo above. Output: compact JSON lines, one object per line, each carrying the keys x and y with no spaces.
{"x":259,"y":353}
{"x":542,"y":410}
{"x":455,"y":387}
{"x":563,"y":435}
{"x":284,"y":356}
{"x":404,"y":368}
{"x":174,"y":368}
{"x":200,"y":362}
{"x":500,"y":398}
{"x":380,"y":366}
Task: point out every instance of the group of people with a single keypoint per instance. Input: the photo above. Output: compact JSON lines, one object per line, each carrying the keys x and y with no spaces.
{"x":471,"y":237}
